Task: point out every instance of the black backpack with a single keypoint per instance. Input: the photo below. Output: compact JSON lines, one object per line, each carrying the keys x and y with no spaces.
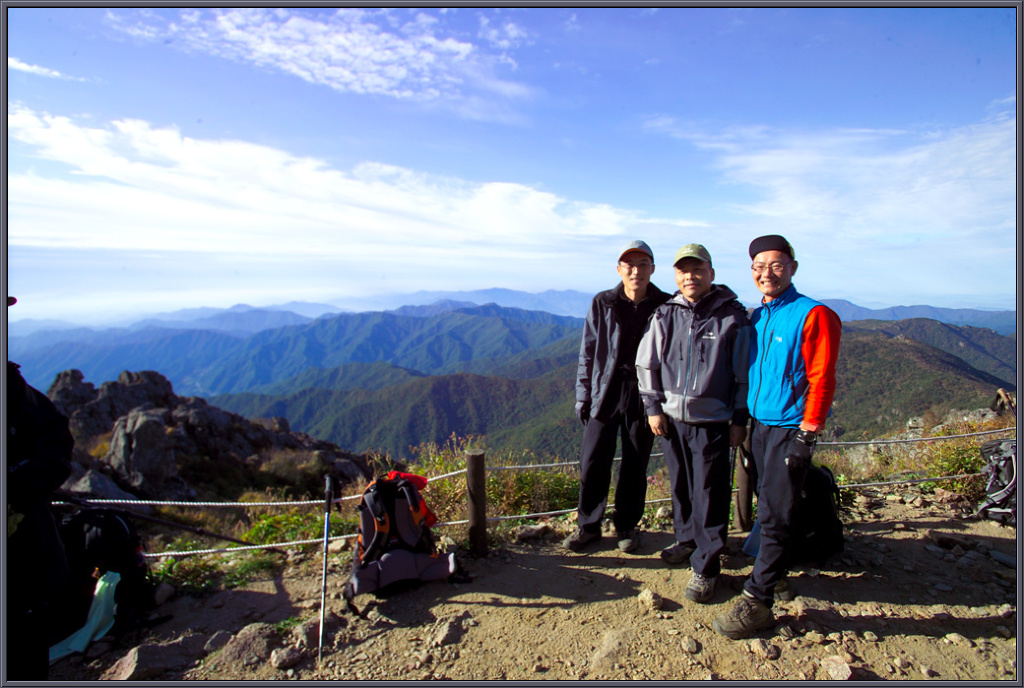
{"x":97,"y":541}
{"x":1000,"y":501}
{"x":818,"y":529}
{"x":395,"y":549}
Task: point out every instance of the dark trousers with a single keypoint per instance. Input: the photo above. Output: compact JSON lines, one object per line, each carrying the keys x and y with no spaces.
{"x":621,"y":415}
{"x":698,"y":468}
{"x":28,"y":632}
{"x":778,"y":493}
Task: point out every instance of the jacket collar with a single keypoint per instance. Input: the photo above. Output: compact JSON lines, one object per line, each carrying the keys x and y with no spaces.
{"x":619,"y":292}
{"x":785,"y":297}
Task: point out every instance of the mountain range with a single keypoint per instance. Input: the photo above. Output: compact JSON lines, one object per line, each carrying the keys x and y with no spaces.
{"x":387,"y":380}
{"x":243,"y":318}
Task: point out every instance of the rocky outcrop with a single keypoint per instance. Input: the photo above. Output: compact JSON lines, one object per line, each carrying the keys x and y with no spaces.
{"x":92,"y":412}
{"x":152,"y":432}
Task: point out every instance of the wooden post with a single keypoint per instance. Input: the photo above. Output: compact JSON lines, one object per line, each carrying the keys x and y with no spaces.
{"x":476,"y":492}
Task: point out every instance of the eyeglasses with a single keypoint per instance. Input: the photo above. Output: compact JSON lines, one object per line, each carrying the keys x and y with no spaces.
{"x":630,"y":267}
{"x":775,"y":267}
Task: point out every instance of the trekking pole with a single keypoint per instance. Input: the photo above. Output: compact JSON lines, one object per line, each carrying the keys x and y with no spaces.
{"x":328,"y":498}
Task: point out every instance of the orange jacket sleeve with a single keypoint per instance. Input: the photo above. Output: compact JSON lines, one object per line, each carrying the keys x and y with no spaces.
{"x":820,"y":350}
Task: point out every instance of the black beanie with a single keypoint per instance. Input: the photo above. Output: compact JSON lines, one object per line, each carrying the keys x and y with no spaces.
{"x":770,"y":242}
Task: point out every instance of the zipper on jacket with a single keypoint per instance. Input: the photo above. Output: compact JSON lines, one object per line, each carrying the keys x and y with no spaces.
{"x":760,"y":368}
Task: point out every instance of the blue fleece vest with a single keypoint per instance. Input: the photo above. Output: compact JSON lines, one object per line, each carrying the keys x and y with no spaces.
{"x":778,"y":375}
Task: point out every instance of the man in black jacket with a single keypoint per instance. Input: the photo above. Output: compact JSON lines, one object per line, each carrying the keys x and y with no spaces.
{"x":608,"y":402}
{"x":37,"y":453}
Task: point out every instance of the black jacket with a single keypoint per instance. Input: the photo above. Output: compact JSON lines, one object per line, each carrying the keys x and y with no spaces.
{"x":601,"y":348}
{"x":39,"y":446}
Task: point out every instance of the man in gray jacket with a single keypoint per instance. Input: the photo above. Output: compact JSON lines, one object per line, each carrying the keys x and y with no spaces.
{"x":608,"y":402}
{"x":692,"y":371}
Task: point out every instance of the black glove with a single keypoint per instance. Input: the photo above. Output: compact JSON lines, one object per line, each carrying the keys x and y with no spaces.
{"x":801,"y":448}
{"x":583,"y":411}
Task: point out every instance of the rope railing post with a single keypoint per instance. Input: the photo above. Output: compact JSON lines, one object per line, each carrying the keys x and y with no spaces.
{"x":476,"y":492}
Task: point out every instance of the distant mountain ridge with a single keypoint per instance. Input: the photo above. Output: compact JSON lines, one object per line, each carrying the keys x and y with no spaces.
{"x":245,"y":318}
{"x":210,"y":361}
{"x":1003,"y":322}
{"x":882,"y":381}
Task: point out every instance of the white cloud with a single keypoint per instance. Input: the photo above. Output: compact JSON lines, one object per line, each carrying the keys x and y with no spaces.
{"x":134,"y":187}
{"x":16,"y":64}
{"x":348,"y":50}
{"x":904,"y":200}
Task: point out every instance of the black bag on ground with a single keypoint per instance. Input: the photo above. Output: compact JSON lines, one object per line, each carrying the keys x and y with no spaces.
{"x":1000,"y":501}
{"x":97,"y":541}
{"x":395,"y":549}
{"x":819,"y":531}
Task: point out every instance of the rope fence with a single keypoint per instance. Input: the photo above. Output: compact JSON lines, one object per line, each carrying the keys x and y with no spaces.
{"x":563,"y":464}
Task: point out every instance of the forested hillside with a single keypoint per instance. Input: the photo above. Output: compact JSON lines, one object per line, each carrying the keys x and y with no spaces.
{"x":388,"y":380}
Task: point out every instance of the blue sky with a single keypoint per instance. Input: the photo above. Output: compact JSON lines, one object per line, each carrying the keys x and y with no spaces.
{"x":171,"y":158}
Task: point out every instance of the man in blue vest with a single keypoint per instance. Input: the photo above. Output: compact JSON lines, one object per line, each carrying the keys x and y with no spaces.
{"x":792,"y":380}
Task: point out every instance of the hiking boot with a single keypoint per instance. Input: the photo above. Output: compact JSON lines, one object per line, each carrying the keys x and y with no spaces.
{"x":678,"y":553}
{"x":700,"y":588}
{"x":580,"y":539}
{"x":629,"y":541}
{"x":747,"y":616}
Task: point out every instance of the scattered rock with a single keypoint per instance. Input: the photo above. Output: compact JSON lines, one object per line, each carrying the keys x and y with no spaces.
{"x":251,"y":646}
{"x":763,"y":650}
{"x":339,"y":545}
{"x":163,"y":592}
{"x":285,"y":657}
{"x":151,"y":660}
{"x":650,"y":600}
{"x":690,"y":645}
{"x":837,"y":668}
{"x":957,"y":639}
{"x":532,"y":532}
{"x":612,"y":645}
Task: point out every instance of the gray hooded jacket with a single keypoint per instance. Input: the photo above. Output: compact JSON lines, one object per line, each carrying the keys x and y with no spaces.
{"x":692,"y":362}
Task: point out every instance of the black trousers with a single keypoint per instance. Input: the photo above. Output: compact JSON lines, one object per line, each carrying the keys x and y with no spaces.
{"x":778,"y":493}
{"x":28,"y":633}
{"x":622,"y":415}
{"x":698,"y":468}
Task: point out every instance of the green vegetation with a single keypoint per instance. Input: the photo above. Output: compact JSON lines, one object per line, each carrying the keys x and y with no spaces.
{"x":527,"y":491}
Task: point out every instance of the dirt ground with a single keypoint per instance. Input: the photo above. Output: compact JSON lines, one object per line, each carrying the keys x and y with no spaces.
{"x":914,"y":596}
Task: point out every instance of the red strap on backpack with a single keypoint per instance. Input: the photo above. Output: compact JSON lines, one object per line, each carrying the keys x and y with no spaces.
{"x":419,"y":482}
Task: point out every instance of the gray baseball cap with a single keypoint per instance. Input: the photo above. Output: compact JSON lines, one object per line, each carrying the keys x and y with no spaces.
{"x":636,"y":245}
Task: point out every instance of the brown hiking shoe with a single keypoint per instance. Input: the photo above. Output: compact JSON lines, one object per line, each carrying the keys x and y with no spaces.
{"x":580,"y":539}
{"x":747,"y":616}
{"x":678,"y":553}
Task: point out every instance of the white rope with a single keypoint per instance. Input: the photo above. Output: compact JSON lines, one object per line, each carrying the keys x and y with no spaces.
{"x":132,"y":502}
{"x":146,"y":502}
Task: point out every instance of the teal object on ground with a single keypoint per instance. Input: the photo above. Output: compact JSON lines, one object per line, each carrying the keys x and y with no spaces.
{"x":97,"y":624}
